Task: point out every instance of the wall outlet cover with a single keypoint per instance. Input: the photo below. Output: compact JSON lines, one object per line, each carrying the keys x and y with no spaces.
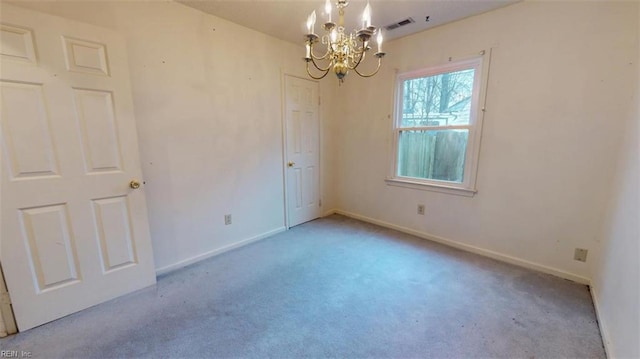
{"x":581,"y":254}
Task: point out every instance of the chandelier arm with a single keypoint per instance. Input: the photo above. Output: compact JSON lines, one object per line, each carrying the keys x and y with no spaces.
{"x":325,"y":41}
{"x":371,"y":74}
{"x":317,"y":67}
{"x":361,"y":57}
{"x":360,"y":50}
{"x":316,"y":77}
{"x":313,"y":56}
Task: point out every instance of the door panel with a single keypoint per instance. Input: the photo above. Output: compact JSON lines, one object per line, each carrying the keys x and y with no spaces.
{"x":74,"y":233}
{"x":85,"y":56}
{"x":303,"y":158}
{"x":97,"y":127}
{"x":17,"y":44}
{"x":117,"y":247}
{"x":50,"y":246}
{"x":26,"y":130}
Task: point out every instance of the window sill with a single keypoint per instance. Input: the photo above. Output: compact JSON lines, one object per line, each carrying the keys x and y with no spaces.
{"x":431,"y":187}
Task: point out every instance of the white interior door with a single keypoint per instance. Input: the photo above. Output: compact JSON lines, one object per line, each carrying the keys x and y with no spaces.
{"x":74,"y":233}
{"x":303,"y":150}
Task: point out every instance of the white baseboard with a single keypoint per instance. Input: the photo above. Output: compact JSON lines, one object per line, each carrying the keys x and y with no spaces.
{"x":215,"y":252}
{"x":330,"y":212}
{"x":602,"y":325}
{"x":469,"y":248}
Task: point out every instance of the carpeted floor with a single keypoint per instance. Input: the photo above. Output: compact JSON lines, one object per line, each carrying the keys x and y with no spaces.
{"x":337,"y":288}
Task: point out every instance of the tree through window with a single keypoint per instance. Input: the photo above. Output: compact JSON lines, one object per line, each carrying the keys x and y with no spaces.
{"x":436,"y":124}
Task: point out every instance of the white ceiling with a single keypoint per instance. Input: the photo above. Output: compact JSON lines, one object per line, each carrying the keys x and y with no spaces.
{"x":285,"y":19}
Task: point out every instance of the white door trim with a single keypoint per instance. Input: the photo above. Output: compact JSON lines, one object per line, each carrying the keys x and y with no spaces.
{"x":283,"y":112}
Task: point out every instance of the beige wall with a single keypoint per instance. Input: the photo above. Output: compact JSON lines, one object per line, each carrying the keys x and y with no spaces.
{"x":207,"y":97}
{"x":616,"y":278}
{"x":558,"y":97}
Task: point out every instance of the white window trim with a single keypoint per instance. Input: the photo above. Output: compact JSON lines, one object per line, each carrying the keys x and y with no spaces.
{"x":468,"y":186}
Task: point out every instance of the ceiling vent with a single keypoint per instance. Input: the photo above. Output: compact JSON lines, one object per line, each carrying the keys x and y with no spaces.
{"x":398,"y":24}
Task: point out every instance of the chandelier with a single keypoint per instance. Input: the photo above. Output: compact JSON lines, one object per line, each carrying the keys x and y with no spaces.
{"x":344,"y":51}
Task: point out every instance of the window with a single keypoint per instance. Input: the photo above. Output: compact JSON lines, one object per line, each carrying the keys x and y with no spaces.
{"x":437,"y":127}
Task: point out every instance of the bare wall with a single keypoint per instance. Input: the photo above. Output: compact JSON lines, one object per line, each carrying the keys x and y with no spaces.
{"x":560,"y":85}
{"x":616,"y":277}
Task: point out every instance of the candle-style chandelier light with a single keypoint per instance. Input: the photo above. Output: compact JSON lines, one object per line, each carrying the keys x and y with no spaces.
{"x":344,"y":51}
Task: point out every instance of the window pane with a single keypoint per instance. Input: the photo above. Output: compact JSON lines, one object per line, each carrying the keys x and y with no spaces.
{"x":440,"y":100}
{"x":437,"y":155}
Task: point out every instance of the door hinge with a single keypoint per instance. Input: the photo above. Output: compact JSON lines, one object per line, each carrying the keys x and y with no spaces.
{"x":319,"y":101}
{"x":319,"y":203}
{"x":5,"y":299}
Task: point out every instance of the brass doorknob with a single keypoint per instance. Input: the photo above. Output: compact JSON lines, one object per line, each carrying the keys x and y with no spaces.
{"x":135,"y":184}
{"x":291,"y":164}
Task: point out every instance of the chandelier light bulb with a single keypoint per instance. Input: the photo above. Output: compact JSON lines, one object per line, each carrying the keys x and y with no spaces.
{"x":311,"y":22}
{"x":379,"y":39}
{"x":327,"y":9}
{"x":366,"y":16}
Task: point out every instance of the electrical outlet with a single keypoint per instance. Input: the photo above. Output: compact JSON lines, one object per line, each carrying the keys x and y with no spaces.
{"x":227,"y":219}
{"x":421,"y":209}
{"x":580,"y":254}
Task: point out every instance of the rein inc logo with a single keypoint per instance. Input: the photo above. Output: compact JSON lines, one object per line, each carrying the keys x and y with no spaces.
{"x":15,"y":354}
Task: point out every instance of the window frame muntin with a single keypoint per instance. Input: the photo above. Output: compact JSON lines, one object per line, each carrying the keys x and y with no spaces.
{"x":480,"y":64}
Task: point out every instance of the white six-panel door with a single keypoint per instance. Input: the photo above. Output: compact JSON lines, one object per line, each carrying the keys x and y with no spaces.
{"x":303,"y":147}
{"x":74,"y":233}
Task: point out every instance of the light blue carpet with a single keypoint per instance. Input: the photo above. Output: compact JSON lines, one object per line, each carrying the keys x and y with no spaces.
{"x":334,"y":288}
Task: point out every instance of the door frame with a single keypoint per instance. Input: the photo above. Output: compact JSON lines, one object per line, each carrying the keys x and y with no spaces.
{"x":8,"y":324}
{"x":7,"y":320}
{"x":283,"y":111}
